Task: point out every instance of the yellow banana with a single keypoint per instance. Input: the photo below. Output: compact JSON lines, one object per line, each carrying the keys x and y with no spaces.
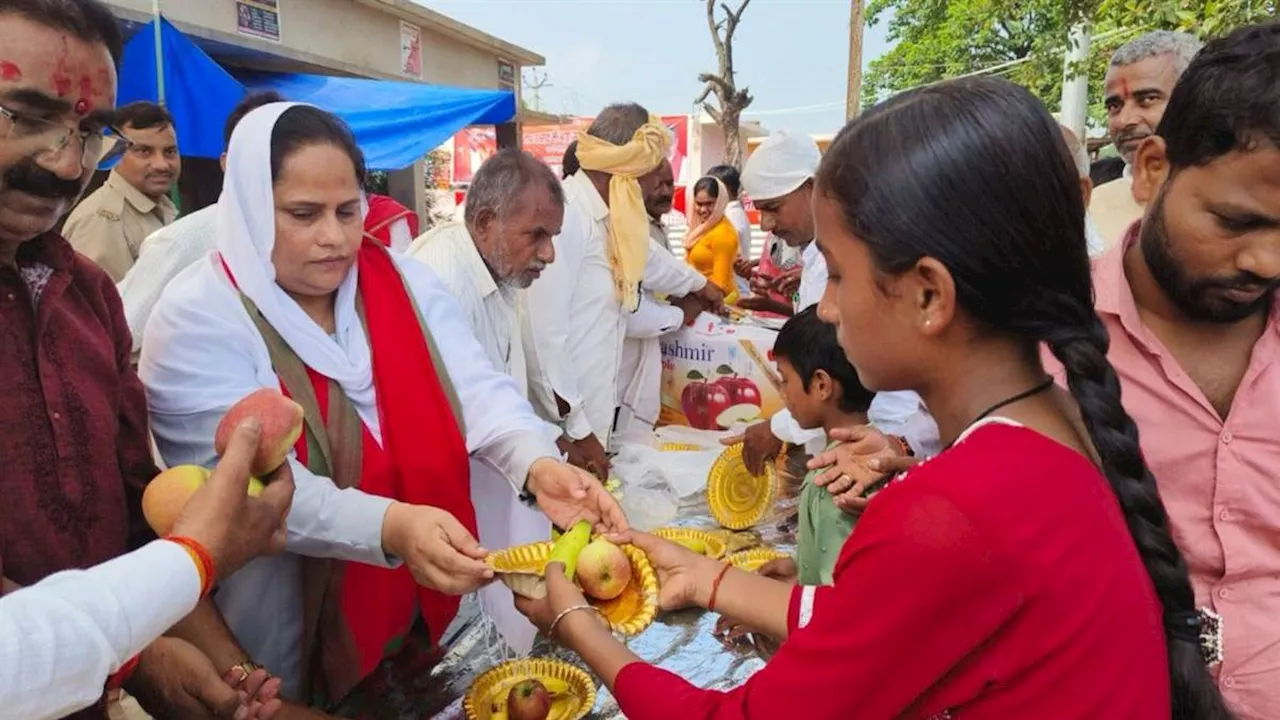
{"x":694,"y":544}
{"x":555,"y":686}
{"x":569,"y":545}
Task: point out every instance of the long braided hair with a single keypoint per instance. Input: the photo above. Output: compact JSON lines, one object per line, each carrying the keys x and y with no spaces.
{"x":975,"y":173}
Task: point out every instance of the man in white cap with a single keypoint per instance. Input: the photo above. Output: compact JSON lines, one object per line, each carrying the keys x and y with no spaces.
{"x":779,"y":179}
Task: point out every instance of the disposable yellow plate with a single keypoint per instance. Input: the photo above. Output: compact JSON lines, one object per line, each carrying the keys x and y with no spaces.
{"x":492,"y":687}
{"x":753,"y":560}
{"x":713,"y":546}
{"x":523,"y":566}
{"x":738,"y":499}
{"x":737,"y":541}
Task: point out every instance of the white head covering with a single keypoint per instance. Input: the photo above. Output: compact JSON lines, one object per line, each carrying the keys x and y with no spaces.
{"x":246,"y":238}
{"x":782,"y":163}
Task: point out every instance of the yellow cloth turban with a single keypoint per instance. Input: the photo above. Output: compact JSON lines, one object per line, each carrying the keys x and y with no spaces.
{"x":628,"y":220}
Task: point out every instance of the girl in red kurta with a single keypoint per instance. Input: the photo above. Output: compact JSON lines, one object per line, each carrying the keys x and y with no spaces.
{"x":1027,"y":571}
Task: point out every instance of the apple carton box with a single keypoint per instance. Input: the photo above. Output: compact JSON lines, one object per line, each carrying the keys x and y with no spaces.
{"x":717,"y":375}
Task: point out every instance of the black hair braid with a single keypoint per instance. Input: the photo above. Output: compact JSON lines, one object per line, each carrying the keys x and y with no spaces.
{"x":1082,"y":349}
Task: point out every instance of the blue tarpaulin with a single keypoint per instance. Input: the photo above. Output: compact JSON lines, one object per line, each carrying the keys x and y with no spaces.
{"x":198,"y":92}
{"x":396,"y":123}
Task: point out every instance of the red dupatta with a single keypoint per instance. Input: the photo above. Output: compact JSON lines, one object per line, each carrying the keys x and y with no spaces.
{"x":422,"y":438}
{"x":383,"y":213}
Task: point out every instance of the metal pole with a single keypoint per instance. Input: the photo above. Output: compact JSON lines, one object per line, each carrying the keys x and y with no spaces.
{"x":155,"y":21}
{"x":1075,"y":81}
{"x":853,"y":96}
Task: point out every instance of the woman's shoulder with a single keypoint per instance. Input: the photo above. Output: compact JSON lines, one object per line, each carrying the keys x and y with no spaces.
{"x":1002,"y":472}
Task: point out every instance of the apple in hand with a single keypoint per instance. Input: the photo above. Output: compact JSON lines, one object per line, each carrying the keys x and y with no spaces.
{"x":603,"y":570}
{"x":281,"y":421}
{"x":528,"y":701}
{"x":168,"y":493}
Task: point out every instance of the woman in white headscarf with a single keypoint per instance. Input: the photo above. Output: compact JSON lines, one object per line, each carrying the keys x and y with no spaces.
{"x":397,"y":393}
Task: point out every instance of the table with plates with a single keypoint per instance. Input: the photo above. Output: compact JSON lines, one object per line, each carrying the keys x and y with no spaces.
{"x":417,"y":684}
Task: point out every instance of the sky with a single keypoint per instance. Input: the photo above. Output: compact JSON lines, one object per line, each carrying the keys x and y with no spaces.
{"x":792,"y":54}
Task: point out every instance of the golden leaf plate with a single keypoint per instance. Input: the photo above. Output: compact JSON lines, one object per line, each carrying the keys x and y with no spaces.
{"x":522,"y":568}
{"x":738,"y":499}
{"x":494,"y":684}
{"x":752,"y":560}
{"x":714,"y":545}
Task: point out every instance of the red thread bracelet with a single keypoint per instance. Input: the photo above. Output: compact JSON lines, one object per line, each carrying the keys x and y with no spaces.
{"x":203,"y":561}
{"x":715,"y":587}
{"x":117,"y":679}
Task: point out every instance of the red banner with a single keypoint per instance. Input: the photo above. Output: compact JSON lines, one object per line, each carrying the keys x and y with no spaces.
{"x":472,"y":146}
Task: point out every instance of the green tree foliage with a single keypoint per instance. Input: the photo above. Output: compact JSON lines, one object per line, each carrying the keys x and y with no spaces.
{"x":1024,"y":40}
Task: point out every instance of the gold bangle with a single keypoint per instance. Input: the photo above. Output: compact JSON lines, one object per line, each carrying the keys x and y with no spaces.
{"x":551,"y":631}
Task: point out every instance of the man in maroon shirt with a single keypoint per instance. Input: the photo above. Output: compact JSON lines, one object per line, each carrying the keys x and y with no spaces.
{"x":73,"y":419}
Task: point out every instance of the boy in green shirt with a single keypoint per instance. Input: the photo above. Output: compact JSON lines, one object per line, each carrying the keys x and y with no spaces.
{"x":821,"y":389}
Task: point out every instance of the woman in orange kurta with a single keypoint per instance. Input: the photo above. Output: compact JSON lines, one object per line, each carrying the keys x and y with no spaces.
{"x":711,"y":244}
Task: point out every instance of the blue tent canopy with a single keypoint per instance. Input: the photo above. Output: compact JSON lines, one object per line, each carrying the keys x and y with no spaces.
{"x":396,"y":123}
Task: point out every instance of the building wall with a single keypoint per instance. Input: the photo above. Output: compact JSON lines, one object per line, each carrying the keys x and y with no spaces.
{"x":343,"y":31}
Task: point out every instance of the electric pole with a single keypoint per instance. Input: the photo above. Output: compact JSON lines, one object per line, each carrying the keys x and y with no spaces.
{"x":853,"y":98}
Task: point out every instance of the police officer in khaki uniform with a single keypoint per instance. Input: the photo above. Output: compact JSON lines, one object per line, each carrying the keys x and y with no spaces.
{"x":110,"y":225}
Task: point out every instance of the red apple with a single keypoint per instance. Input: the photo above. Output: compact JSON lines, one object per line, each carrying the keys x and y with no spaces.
{"x":528,"y":701}
{"x":742,"y":391}
{"x":702,"y":401}
{"x":744,"y":401}
{"x":281,"y":421}
{"x":603,"y":570}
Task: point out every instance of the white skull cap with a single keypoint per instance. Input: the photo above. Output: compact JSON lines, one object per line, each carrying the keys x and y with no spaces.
{"x":782,"y":163}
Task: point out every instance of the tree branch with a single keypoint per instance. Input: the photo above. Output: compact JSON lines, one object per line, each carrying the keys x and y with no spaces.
{"x":714,"y":27}
{"x":716,"y":117}
{"x":706,"y":92}
{"x":724,"y":88}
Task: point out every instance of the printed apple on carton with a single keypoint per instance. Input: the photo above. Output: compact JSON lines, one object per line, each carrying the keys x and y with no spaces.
{"x":720,"y":403}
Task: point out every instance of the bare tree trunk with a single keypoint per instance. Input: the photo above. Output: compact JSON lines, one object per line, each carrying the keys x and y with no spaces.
{"x":731,"y":100}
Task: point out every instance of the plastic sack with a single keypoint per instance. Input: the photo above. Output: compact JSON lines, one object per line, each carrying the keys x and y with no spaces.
{"x":645,"y":494}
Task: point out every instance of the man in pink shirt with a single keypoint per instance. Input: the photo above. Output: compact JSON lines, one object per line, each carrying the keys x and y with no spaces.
{"x":1188,"y":299}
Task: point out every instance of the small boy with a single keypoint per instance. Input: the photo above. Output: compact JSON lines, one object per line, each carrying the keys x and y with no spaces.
{"x":821,"y":389}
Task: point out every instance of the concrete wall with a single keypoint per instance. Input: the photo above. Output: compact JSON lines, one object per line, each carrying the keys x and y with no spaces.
{"x":355,"y":37}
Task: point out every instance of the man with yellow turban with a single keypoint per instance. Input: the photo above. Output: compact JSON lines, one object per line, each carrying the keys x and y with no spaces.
{"x":578,"y":308}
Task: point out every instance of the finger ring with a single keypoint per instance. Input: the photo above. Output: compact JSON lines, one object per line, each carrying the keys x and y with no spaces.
{"x":246,"y":669}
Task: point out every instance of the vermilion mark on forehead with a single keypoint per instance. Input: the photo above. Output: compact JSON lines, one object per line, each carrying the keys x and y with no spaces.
{"x":84,"y":104}
{"x":1124,"y":89}
{"x":61,"y":77}
{"x":10,"y":71}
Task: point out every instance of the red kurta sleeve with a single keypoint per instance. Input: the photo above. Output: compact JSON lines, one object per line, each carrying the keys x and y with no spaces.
{"x":918,"y":589}
{"x":133,"y":442}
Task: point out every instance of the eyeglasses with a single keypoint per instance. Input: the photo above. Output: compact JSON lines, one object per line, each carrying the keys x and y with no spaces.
{"x":36,"y":136}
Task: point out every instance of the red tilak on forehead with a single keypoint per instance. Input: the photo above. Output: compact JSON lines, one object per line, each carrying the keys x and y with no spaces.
{"x":1124,"y":88}
{"x":82,"y":106}
{"x":10,"y":71}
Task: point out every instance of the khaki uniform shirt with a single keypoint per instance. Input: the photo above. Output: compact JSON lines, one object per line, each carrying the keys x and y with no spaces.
{"x":109,"y":226}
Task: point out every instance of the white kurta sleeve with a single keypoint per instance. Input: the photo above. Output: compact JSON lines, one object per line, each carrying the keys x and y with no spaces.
{"x":653,"y":319}
{"x":667,"y":274}
{"x":191,"y":346}
{"x":502,"y":429}
{"x":65,"y":635}
{"x":550,"y":300}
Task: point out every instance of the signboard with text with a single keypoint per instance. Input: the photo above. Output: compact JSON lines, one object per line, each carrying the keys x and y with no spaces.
{"x":259,"y":18}
{"x":472,"y":146}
